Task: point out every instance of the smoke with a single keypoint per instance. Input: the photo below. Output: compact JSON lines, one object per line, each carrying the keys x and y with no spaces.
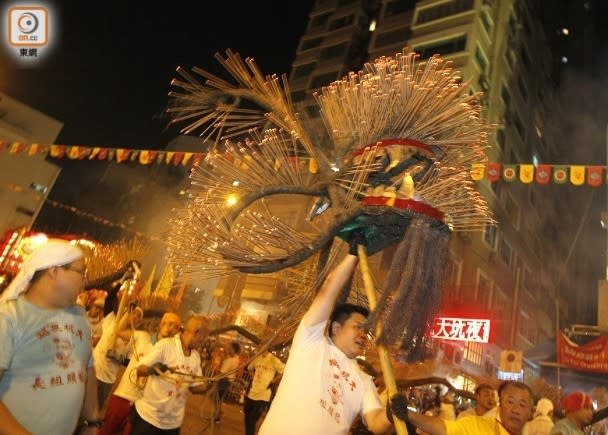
{"x":578,"y":130}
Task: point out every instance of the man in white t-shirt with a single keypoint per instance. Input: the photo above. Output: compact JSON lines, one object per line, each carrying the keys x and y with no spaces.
{"x":171,"y":366}
{"x":229,"y":367}
{"x":267,"y":368}
{"x":112,"y":348}
{"x":128,"y":390}
{"x":323,"y":389}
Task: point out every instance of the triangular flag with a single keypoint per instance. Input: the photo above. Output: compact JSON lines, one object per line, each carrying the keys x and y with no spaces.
{"x":104,"y":153}
{"x":33,"y":149}
{"x":509,"y":172}
{"x":57,"y":151}
{"x":122,"y":155}
{"x":595,"y":175}
{"x":186,"y":159}
{"x":577,"y":175}
{"x":147,"y":157}
{"x":73,"y":152}
{"x":477,"y":171}
{"x":177,"y":158}
{"x":493,"y":172}
{"x":160,"y":158}
{"x":111,"y":153}
{"x":313,"y":167}
{"x":169,"y":156}
{"x":198,"y":158}
{"x":134,"y":155}
{"x":560,"y":174}
{"x":543,"y":174}
{"x":3,"y":145}
{"x":94,"y":153}
{"x":526,"y":173}
{"x":16,"y":148}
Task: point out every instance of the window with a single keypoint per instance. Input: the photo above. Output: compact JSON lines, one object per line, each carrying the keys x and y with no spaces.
{"x":483,"y":289}
{"x":526,"y":328}
{"x":525,"y":59}
{"x":501,"y":306}
{"x":519,"y":126}
{"x":443,"y":47}
{"x":396,"y":7}
{"x":489,"y":236}
{"x":522,"y":88}
{"x":307,"y":44}
{"x":392,"y":37}
{"x":320,"y":20}
{"x":500,"y":138}
{"x":506,"y":97}
{"x":486,"y":22}
{"x":453,"y":271}
{"x":334,"y":51}
{"x":473,"y":352}
{"x":505,"y":252}
{"x":444,"y":10}
{"x":303,"y":70}
{"x":338,"y":23}
{"x":323,"y":80}
{"x":480,"y":58}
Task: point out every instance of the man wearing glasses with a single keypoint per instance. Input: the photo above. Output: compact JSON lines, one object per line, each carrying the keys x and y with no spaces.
{"x":47,"y":378}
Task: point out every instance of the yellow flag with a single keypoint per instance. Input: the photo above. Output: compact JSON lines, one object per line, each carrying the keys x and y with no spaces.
{"x":186,"y":159}
{"x":577,"y":175}
{"x":169,"y":157}
{"x":477,"y":171}
{"x":526,"y":173}
{"x":313,"y":168}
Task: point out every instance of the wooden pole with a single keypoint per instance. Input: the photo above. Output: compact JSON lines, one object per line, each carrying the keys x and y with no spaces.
{"x":385,"y":361}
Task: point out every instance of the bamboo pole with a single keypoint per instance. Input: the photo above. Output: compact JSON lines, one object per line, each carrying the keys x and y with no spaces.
{"x":385,"y":361}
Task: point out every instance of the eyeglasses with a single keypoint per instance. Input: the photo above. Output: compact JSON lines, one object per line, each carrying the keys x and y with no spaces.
{"x":82,"y":272}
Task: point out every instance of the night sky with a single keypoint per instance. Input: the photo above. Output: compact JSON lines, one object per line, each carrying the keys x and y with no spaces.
{"x":108,"y":76}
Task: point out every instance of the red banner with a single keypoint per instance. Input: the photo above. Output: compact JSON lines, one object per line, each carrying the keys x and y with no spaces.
{"x":591,"y":357}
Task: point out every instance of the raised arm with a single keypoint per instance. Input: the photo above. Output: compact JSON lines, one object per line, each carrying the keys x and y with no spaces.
{"x":324,"y":302}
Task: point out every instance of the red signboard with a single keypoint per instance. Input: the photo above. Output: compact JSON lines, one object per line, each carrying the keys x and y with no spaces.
{"x":459,"y":329}
{"x":591,"y":357}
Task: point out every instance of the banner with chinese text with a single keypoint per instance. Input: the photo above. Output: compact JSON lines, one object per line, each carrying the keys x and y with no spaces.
{"x":592,"y":357}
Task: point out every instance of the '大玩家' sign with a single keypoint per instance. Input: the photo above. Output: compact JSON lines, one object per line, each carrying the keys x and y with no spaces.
{"x":459,"y":329}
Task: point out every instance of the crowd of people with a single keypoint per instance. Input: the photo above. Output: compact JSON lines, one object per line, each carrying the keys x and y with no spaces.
{"x":112,"y":374}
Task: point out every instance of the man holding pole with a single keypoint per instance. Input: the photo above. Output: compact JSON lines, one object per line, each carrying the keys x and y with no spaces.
{"x":322,"y":376}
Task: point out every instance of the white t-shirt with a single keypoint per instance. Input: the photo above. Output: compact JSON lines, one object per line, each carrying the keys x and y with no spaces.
{"x":106,"y":369}
{"x":230,"y":364}
{"x":322,"y":390}
{"x":266,"y":368}
{"x":128,"y":386}
{"x":163,"y":403}
{"x":46,"y":354}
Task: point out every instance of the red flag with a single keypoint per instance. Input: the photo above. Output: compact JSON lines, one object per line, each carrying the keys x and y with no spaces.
{"x":543,"y":174}
{"x":493,"y":172}
{"x":3,"y":145}
{"x":177,"y":158}
{"x":57,"y":151}
{"x":595,"y":176}
{"x":103,"y":154}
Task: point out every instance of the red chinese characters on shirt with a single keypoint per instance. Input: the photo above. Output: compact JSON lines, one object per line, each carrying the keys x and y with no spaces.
{"x":341,"y":380}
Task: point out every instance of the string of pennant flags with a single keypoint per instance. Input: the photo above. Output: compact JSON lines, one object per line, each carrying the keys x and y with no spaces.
{"x":526,"y":173}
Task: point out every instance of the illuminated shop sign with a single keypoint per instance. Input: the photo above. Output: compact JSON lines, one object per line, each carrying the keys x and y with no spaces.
{"x":459,"y":329}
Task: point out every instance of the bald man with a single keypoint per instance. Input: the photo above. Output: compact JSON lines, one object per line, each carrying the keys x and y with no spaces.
{"x":171,"y":368}
{"x":47,"y":379}
{"x":128,"y":391}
